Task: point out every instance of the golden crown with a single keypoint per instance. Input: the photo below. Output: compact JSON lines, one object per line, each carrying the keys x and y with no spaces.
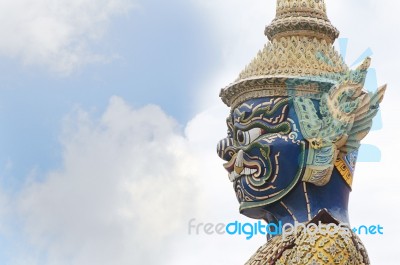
{"x":299,"y":58}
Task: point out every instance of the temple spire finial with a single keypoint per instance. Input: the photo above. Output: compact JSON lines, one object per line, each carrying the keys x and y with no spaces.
{"x":301,"y":18}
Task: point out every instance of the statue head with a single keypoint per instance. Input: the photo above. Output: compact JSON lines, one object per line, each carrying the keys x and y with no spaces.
{"x":297,"y":117}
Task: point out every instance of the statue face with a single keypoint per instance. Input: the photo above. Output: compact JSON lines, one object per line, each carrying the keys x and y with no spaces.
{"x":264,"y":152}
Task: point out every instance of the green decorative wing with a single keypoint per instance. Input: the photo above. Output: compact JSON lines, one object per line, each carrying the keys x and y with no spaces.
{"x":346,"y":114}
{"x":367,"y":110}
{"x":344,"y":119}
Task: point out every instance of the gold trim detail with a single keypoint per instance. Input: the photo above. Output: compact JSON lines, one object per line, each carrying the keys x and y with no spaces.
{"x":344,"y":171}
{"x":306,"y":248}
{"x":295,"y":57}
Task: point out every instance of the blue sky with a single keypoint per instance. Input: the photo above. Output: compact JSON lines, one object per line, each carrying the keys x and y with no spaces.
{"x":110,"y":114}
{"x":157,"y":52}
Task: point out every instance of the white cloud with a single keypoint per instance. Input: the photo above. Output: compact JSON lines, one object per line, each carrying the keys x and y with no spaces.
{"x":56,"y":33}
{"x":126,"y":186}
{"x":130,"y":182}
{"x":132,"y":179}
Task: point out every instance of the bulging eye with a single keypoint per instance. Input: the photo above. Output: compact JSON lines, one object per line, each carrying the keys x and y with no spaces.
{"x":247,"y":137}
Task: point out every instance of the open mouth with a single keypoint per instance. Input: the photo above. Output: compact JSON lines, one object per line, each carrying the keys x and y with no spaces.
{"x":240,"y":166}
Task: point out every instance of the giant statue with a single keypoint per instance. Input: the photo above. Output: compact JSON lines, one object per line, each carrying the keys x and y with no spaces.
{"x":298,"y":114}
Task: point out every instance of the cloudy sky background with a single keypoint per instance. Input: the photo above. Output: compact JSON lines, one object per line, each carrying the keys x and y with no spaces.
{"x":110,"y":114}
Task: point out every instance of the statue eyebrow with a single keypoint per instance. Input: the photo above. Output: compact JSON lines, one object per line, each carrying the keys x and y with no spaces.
{"x":265,"y":109}
{"x":283,"y":127}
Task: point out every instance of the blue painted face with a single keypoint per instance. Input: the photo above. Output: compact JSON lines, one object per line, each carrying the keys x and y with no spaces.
{"x":265,"y":152}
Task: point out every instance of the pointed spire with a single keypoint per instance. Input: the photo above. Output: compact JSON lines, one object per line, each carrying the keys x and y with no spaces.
{"x":289,"y":7}
{"x":305,"y":18}
{"x":299,"y":59}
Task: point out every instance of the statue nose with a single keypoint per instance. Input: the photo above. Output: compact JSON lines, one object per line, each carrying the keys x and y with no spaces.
{"x":222,"y":146}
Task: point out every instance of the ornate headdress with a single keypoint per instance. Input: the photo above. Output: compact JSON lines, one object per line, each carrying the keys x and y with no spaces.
{"x":299,"y":58}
